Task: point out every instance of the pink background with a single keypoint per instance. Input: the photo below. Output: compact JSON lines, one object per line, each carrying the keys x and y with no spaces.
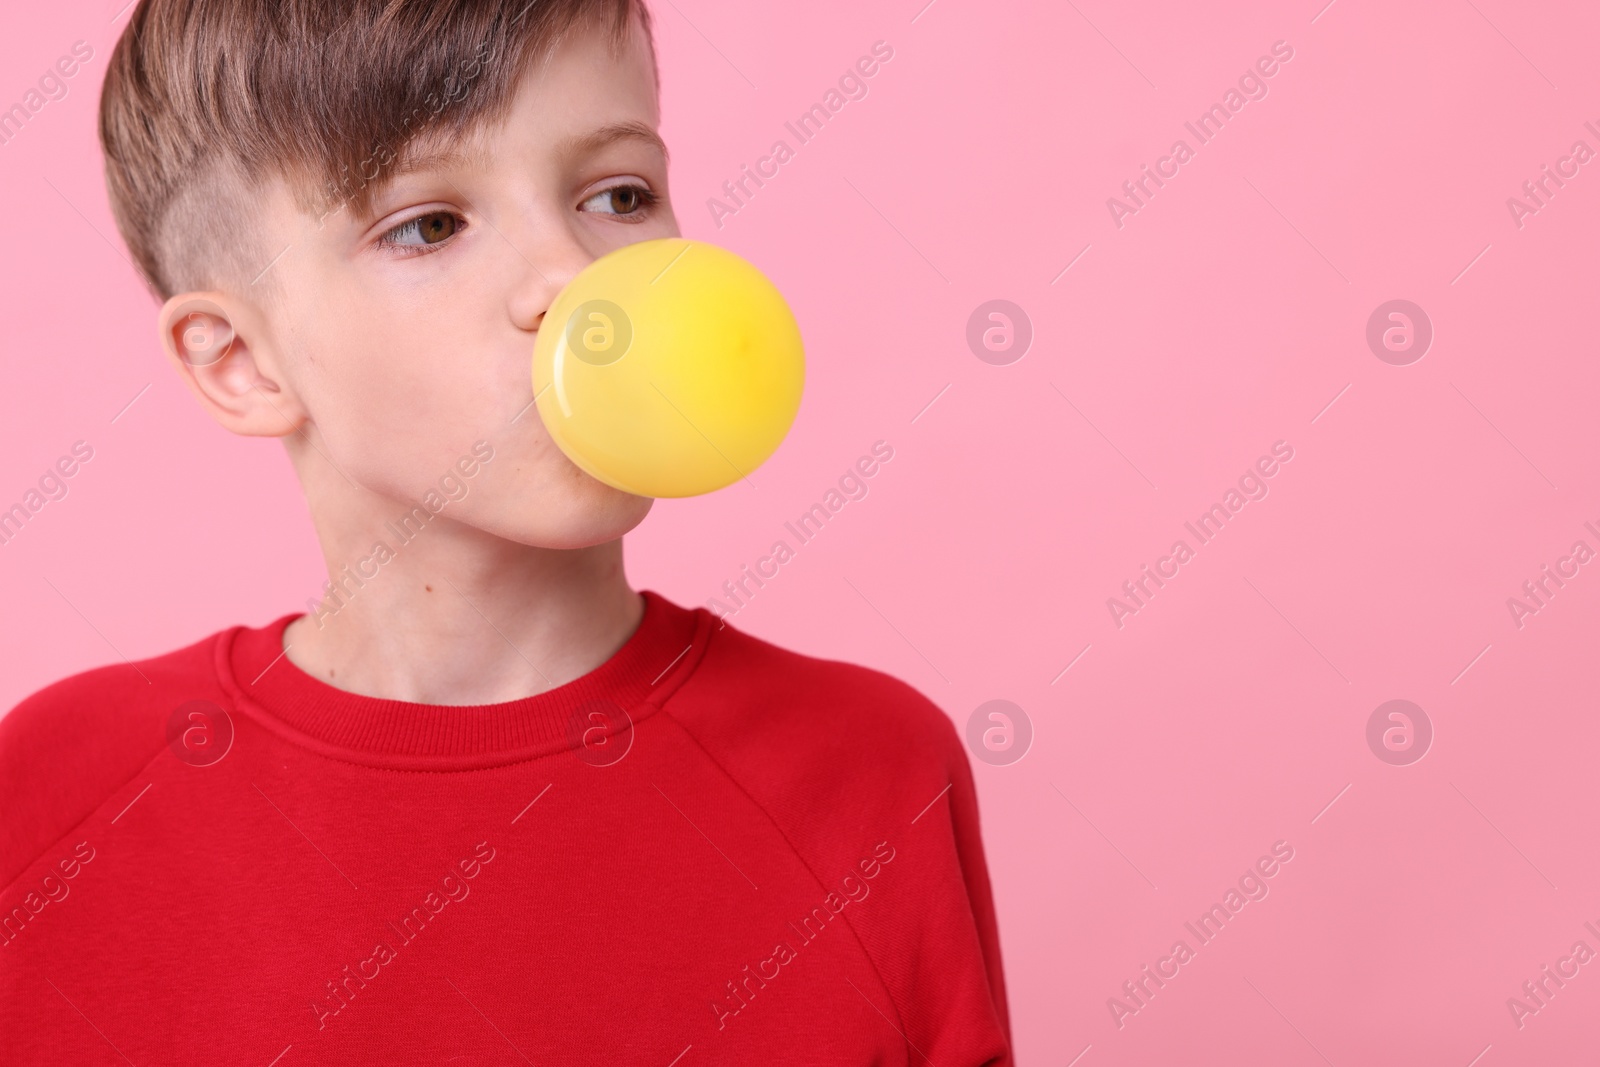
{"x":1223,"y":317}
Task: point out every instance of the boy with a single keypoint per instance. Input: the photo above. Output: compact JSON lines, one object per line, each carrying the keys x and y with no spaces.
{"x":481,"y":803}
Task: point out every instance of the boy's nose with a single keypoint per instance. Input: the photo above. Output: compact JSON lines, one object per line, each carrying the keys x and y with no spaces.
{"x":545,"y":267}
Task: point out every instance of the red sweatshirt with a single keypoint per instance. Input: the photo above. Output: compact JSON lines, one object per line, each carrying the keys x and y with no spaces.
{"x":707,"y":850}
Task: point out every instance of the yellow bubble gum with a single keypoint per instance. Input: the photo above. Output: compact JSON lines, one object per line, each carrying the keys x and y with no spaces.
{"x":669,"y":368}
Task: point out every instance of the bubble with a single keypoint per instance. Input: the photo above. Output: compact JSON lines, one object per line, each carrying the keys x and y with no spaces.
{"x":599,"y":332}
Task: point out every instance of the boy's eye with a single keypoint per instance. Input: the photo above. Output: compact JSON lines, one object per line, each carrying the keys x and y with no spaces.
{"x":430,"y":229}
{"x":621,"y":200}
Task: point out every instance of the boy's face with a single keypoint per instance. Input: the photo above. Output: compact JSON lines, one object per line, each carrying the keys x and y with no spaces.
{"x":404,"y":336}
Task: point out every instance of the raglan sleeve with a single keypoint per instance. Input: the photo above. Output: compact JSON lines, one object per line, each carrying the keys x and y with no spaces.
{"x":69,"y":746}
{"x":940,"y":949}
{"x":968,"y":838}
{"x":871,"y":767}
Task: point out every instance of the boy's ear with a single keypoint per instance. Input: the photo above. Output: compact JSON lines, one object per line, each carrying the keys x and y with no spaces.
{"x":210,"y":340}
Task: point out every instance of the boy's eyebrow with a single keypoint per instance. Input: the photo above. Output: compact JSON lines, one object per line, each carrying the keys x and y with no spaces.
{"x":608,"y":134}
{"x":567,"y":148}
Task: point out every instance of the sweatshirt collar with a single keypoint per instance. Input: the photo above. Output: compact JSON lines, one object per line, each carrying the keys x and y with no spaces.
{"x":657,"y":658}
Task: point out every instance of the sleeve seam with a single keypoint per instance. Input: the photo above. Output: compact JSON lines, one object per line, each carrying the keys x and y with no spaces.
{"x":866,"y":953}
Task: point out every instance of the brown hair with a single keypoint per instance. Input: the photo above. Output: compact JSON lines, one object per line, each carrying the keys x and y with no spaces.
{"x":206,"y":100}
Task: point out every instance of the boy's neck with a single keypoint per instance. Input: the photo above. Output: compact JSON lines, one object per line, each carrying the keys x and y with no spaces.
{"x":451,"y":614}
{"x":472,"y":631}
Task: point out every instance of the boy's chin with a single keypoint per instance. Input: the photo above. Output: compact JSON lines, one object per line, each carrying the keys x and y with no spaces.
{"x":595,"y":515}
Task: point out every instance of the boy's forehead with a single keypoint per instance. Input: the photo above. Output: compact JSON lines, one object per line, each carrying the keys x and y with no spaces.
{"x":566,"y":107}
{"x":580,"y":98}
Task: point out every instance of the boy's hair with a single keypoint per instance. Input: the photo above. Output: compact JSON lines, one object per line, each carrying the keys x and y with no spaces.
{"x":206,"y":101}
